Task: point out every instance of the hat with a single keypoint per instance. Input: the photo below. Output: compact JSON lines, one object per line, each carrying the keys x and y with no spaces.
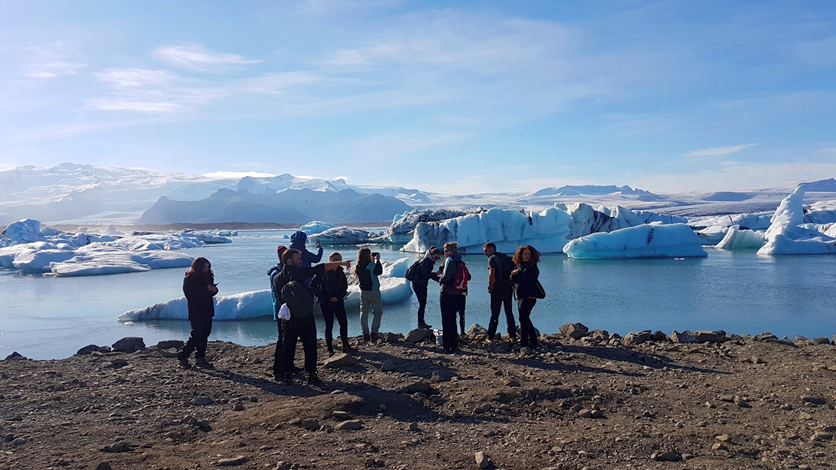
{"x":299,"y":236}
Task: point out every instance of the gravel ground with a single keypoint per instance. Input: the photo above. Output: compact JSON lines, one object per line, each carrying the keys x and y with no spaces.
{"x":593,"y":402}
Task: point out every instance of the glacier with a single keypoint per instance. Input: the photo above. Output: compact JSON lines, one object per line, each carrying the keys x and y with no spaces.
{"x":394,"y":288}
{"x":30,"y":248}
{"x":788,"y":233}
{"x":643,"y":241}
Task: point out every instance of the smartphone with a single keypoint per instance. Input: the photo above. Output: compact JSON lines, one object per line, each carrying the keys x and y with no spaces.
{"x":375,"y":255}
{"x":317,"y":243}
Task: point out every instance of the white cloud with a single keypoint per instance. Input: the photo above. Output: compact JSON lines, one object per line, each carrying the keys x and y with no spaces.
{"x":50,"y":61}
{"x":136,"y":78}
{"x":713,"y":152}
{"x":197,"y":58}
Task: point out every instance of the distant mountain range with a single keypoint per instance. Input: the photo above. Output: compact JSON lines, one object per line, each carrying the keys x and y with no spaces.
{"x":76,"y":194}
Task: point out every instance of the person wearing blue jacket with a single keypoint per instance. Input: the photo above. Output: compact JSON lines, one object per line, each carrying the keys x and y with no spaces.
{"x":277,"y":362}
{"x":298,"y":241}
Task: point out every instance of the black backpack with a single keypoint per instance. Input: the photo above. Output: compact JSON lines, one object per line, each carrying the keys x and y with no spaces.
{"x":413,"y":270}
{"x":298,"y":299}
{"x":506,"y":265}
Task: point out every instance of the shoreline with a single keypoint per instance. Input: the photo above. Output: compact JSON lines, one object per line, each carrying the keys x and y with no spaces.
{"x":573,"y":403}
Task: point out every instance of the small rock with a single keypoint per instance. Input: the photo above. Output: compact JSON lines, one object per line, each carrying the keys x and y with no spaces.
{"x":340,"y":360}
{"x":240,"y":460}
{"x":584,"y":413}
{"x":512,"y":383}
{"x":821,"y":436}
{"x":669,"y":456}
{"x":14,"y":356}
{"x":349,"y":425}
{"x":722,"y":437}
{"x":813,"y":400}
{"x":387,"y":366}
{"x":87,"y":350}
{"x":341,"y":415}
{"x":719,"y":446}
{"x":129,"y":344}
{"x":417,"y":387}
{"x":203,"y":401}
{"x":117,"y":448}
{"x":597,"y":414}
{"x":310,"y":424}
{"x":170,"y":343}
{"x":383,"y":407}
{"x":238,"y":407}
{"x":118,"y":363}
{"x":574,"y":330}
{"x":103,"y":466}
{"x":413,"y":426}
{"x":482,"y":460}
{"x":417,"y":335}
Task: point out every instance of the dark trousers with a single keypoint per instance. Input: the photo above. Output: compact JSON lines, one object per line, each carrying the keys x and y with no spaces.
{"x":277,"y":358}
{"x":499,"y":300}
{"x":303,"y":329}
{"x":528,"y":336}
{"x":450,"y":305}
{"x":329,"y":311}
{"x":199,"y":337}
{"x":421,"y":295}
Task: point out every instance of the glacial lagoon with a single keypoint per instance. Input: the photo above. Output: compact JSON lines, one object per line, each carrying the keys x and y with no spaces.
{"x":740,"y":292}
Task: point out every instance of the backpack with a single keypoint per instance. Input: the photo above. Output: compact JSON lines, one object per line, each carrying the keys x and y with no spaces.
{"x":273,"y":272}
{"x":413,"y":271}
{"x":298,"y":299}
{"x":506,"y":265}
{"x":462,"y":275}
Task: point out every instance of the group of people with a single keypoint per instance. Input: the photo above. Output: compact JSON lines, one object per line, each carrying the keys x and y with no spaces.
{"x":508,"y":277}
{"x":296,"y":283}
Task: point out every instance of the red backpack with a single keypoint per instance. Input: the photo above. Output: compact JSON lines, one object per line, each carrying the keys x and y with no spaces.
{"x":462,"y":276}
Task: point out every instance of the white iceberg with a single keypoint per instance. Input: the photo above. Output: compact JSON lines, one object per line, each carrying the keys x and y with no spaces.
{"x":585,"y":220}
{"x":738,"y":239}
{"x":643,"y":241}
{"x":403,"y":225}
{"x":394,"y":288}
{"x":315,"y":227}
{"x":31,"y":249}
{"x":508,"y":229}
{"x":342,"y":236}
{"x":788,"y":235}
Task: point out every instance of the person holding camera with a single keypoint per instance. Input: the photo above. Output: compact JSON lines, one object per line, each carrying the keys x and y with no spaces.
{"x":367,"y":269}
{"x":297,"y":242}
{"x":199,"y":288}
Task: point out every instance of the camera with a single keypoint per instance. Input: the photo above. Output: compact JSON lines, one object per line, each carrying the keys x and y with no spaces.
{"x":375,"y":254}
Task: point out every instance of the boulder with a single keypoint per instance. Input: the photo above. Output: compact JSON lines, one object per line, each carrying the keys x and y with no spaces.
{"x":417,"y":335}
{"x":87,"y":350}
{"x":340,"y":360}
{"x":637,"y":337}
{"x":14,"y":356}
{"x":710,"y":336}
{"x":129,"y":344}
{"x":477,"y":330}
{"x":574,"y":330}
{"x":684,"y":337}
{"x":170,"y":343}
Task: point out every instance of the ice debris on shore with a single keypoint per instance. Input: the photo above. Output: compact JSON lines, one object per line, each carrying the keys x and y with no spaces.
{"x":394,"y":288}
{"x":30,"y":248}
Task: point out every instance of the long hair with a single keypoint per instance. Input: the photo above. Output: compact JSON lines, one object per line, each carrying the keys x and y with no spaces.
{"x":197,"y":266}
{"x":364,"y":257}
{"x":452,"y":246}
{"x":535,"y":255}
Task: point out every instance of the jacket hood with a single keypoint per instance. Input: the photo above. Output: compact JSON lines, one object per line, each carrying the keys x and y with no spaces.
{"x":456,"y":256}
{"x":298,"y":237}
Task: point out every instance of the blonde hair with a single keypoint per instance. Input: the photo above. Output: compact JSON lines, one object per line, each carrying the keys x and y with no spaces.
{"x":452,"y":246}
{"x":334,"y":255}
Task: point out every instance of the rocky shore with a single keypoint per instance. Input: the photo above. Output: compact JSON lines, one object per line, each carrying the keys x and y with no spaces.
{"x":583,"y":399}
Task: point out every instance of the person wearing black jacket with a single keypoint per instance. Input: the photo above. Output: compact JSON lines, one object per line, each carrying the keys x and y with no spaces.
{"x":501,"y":289}
{"x":302,"y":328}
{"x":331,"y":288}
{"x":421,"y":282}
{"x":367,"y":269}
{"x":298,"y":241}
{"x":199,"y":288}
{"x":452,"y":300}
{"x":524,"y":278}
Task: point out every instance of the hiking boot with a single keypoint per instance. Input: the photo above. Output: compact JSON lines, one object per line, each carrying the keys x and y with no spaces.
{"x":184,"y":363}
{"x":375,"y":337}
{"x":424,"y":326}
{"x":348,"y":349}
{"x":288,"y":378}
{"x":203,"y":362}
{"x":314,"y":380}
{"x":367,"y":337}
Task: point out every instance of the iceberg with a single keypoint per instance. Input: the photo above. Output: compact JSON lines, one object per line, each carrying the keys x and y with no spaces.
{"x":789,"y":235}
{"x":315,"y":227}
{"x":394,"y":288}
{"x":32,"y":249}
{"x":585,"y":220}
{"x":342,"y":236}
{"x":739,"y":239}
{"x":643,"y":241}
{"x":506,"y":228}
{"x":403,"y":225}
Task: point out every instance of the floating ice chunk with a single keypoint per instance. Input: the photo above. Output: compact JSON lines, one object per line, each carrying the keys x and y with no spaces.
{"x":644,"y":241}
{"x":315,"y":227}
{"x":342,"y":236}
{"x":737,"y":239}
{"x":403,"y":225}
{"x":508,"y":229}
{"x":787,"y":236}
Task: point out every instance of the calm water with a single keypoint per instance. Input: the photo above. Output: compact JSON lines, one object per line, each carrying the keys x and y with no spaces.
{"x":45,"y":318}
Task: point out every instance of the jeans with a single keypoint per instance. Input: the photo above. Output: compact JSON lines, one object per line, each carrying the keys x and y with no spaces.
{"x":499,"y":300}
{"x":329,"y":311}
{"x":370,"y":298}
{"x":198,"y":339}
{"x":421,"y":295}
{"x":528,"y":336}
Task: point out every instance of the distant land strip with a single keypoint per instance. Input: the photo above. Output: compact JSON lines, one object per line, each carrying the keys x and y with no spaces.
{"x":222,"y":226}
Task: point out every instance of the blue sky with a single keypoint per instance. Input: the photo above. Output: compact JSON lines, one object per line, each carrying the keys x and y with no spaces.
{"x":456,"y":97}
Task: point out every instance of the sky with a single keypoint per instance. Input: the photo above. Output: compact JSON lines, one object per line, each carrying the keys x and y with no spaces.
{"x":453,"y":97}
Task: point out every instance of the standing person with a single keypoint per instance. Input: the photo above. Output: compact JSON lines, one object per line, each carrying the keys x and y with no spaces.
{"x":331,"y":288}
{"x":453,"y":282}
{"x":501,"y":289}
{"x":199,"y":287}
{"x":302,"y":327}
{"x":298,"y":241}
{"x":366,"y":270}
{"x":526,"y":290}
{"x":420,"y":282}
{"x":277,"y":356}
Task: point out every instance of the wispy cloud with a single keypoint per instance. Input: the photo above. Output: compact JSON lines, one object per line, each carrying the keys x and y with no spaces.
{"x":50,"y":61}
{"x":386,"y":148}
{"x":714,"y":152}
{"x":196,"y":57}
